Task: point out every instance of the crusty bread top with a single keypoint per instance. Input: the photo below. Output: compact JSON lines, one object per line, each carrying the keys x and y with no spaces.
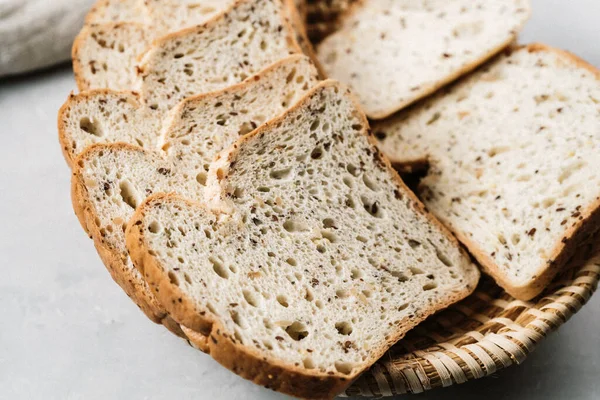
{"x":513,"y":152}
{"x":313,"y":256}
{"x":393,"y":52}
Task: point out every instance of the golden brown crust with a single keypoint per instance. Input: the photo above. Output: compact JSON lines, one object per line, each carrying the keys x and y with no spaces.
{"x":114,"y":261}
{"x":245,"y":361}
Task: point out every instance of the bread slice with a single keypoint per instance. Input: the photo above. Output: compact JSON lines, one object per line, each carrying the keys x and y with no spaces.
{"x":109,"y":181}
{"x":223,"y":52}
{"x":313,"y":258}
{"x":104,"y":55}
{"x":394,"y":52}
{"x":107,"y":116}
{"x":513,"y":152}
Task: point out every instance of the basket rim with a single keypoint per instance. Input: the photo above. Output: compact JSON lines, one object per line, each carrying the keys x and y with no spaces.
{"x":499,"y":341}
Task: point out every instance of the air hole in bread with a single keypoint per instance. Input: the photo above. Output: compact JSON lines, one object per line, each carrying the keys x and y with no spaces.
{"x":187,"y":278}
{"x":291,"y":76}
{"x":308,"y":363}
{"x":515,"y":239}
{"x":154,"y":227}
{"x":352,"y":170}
{"x":291,"y":261}
{"x":283,"y":301}
{"x":502,"y":239}
{"x":344,"y":328}
{"x":429,"y":286}
{"x":308,"y":295}
{"x":330,"y":236}
{"x":237,"y":319}
{"x":344,"y":367}
{"x":129,"y":194}
{"x":297,"y":331}
{"x":400,"y":276}
{"x":315,"y":125}
{"x":416,"y":271}
{"x":219,"y":268}
{"x":348,"y":182}
{"x":281,"y":173}
{"x":356,"y":273}
{"x":173,"y":278}
{"x":370,"y":183}
{"x":342,"y":293}
{"x":549,"y":202}
{"x":317,"y":153}
{"x":201,"y":178}
{"x":294,"y":226}
{"x":329,"y":223}
{"x":90,"y":126}
{"x":372,"y":207}
{"x":443,"y":258}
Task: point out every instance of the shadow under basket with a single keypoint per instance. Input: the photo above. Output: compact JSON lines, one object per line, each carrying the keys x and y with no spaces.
{"x":486,"y":332}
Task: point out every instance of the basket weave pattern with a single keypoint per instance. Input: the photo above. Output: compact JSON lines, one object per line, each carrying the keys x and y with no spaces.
{"x":484,"y":333}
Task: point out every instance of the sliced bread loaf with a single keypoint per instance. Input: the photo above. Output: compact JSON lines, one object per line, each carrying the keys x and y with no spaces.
{"x":106,"y":116}
{"x":223,"y":52}
{"x":393,"y":52}
{"x":513,"y":152}
{"x":313,"y":258}
{"x":109,"y":181}
{"x":105,"y":55}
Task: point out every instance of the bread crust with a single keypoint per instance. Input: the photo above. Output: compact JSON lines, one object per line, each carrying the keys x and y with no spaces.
{"x":425,"y":91}
{"x":114,"y":261}
{"x":245,"y":361}
{"x":573,"y":237}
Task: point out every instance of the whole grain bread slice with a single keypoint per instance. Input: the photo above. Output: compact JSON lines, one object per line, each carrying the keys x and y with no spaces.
{"x":107,"y":116}
{"x":394,"y":52}
{"x":513,"y":152}
{"x":109,"y":181}
{"x":106,"y":52}
{"x":308,"y":257}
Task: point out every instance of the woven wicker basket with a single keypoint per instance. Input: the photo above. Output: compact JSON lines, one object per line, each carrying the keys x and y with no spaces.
{"x":486,"y":332}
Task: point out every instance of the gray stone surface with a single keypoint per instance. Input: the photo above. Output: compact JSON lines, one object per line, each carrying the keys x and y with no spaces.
{"x":68,"y":332}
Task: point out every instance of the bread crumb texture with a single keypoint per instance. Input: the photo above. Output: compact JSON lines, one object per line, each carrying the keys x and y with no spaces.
{"x":393,"y":52}
{"x":513,"y":150}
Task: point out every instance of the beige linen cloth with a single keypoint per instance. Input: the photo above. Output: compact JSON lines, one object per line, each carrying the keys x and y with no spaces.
{"x":38,"y":33}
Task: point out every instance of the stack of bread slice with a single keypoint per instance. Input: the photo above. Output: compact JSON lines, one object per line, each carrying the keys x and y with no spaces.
{"x":242,"y":201}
